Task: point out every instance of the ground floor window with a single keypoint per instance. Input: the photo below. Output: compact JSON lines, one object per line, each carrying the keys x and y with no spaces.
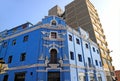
{"x":20,"y":76}
{"x":92,"y":78}
{"x":5,"y":78}
{"x":82,"y":78}
{"x":99,"y":78}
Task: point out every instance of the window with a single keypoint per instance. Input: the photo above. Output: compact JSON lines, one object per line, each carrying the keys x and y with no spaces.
{"x":20,"y":76}
{"x":79,"y":57}
{"x":97,"y":51}
{"x":86,"y":45}
{"x":100,"y":64}
{"x":53,"y":35}
{"x":70,"y":37}
{"x":14,"y":29}
{"x":77,"y":41}
{"x":22,"y":57}
{"x":99,"y":78}
{"x":96,"y":62}
{"x":25,"y":38}
{"x":31,"y":73}
{"x":5,"y":78}
{"x":71,"y":55}
{"x":89,"y":62}
{"x":4,"y":44}
{"x":93,"y":49}
{"x":2,"y":61}
{"x":24,"y":26}
{"x":14,"y":42}
{"x":54,"y":23}
{"x":9,"y":59}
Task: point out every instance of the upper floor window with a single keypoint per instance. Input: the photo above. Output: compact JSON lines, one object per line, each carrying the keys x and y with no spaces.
{"x":53,"y":35}
{"x":4,"y":44}
{"x":77,"y":41}
{"x":96,"y":62}
{"x":22,"y":57}
{"x":100,"y":64}
{"x":54,"y":22}
{"x":93,"y":49}
{"x":86,"y":45}
{"x":24,"y":26}
{"x":70,"y":37}
{"x":71,"y":55}
{"x":14,"y":42}
{"x":80,"y":57}
{"x":89,"y":62}
{"x":97,"y":51}
{"x":25,"y":38}
{"x":9,"y":59}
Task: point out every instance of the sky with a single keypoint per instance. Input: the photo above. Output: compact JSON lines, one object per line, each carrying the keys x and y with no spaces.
{"x":16,"y":12}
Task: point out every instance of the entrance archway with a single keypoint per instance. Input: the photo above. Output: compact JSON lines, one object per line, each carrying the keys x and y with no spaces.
{"x":53,"y":56}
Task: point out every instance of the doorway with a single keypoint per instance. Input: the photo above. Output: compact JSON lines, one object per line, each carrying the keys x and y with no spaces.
{"x":53,"y":76}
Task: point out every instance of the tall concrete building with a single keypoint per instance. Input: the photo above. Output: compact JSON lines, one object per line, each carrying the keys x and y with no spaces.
{"x":56,"y":10}
{"x":82,"y":13}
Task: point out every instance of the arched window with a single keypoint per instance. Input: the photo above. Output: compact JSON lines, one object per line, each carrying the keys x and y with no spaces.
{"x":54,"y":22}
{"x":53,"y":56}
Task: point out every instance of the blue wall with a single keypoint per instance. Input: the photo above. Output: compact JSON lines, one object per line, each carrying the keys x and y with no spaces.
{"x":38,"y":48}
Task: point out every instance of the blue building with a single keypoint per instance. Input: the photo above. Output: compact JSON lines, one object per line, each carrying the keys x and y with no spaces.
{"x":49,"y":51}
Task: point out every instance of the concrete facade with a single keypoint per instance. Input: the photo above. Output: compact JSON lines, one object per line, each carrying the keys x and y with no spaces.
{"x":49,"y":51}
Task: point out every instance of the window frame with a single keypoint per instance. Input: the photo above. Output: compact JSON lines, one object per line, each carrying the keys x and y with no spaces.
{"x":96,"y":62}
{"x":4,"y":44}
{"x":55,"y":35}
{"x":25,"y":38}
{"x":93,"y":48}
{"x":77,"y":41}
{"x":71,"y":55}
{"x":14,"y":42}
{"x":86,"y":45}
{"x":23,"y":56}
{"x":89,"y":62}
{"x":70,"y":37}
{"x":5,"y":77}
{"x":10,"y":59}
{"x":79,"y":57}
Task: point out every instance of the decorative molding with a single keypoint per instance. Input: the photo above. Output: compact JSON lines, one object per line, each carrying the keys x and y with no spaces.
{"x":41,"y":57}
{"x":65,"y":57}
{"x":53,"y":45}
{"x":47,"y":26}
{"x":54,"y":66}
{"x":50,"y":39}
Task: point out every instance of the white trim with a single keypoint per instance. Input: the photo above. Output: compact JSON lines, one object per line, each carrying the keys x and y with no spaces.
{"x":52,"y":21}
{"x":56,"y":35}
{"x":54,"y":48}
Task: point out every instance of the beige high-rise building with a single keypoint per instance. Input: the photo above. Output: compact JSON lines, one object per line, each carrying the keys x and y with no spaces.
{"x":82,"y":13}
{"x":56,"y":10}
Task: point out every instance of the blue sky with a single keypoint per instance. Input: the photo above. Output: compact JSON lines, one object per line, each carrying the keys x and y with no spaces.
{"x":17,"y":12}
